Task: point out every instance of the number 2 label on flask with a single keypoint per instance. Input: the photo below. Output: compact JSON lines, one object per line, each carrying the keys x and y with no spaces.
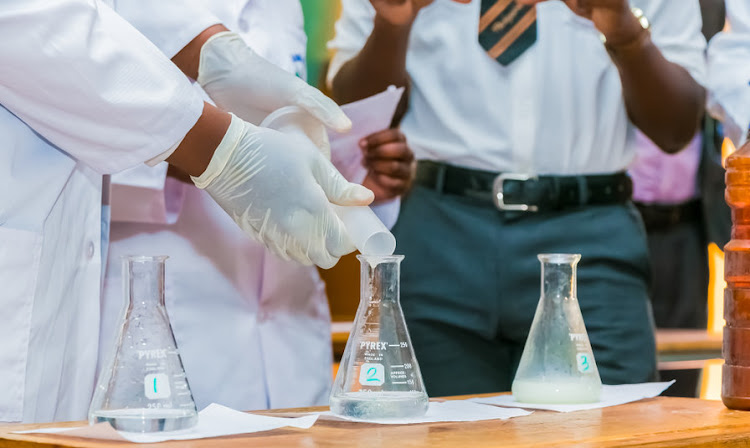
{"x":371,"y":374}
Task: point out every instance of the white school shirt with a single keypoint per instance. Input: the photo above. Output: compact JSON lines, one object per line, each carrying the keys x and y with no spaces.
{"x":557,"y":109}
{"x":81,"y":93}
{"x":729,"y":72}
{"x":253,"y":330}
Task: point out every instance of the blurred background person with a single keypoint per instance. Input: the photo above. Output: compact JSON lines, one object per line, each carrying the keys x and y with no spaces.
{"x":729,"y":72}
{"x":681,"y":200}
{"x":537,"y":108}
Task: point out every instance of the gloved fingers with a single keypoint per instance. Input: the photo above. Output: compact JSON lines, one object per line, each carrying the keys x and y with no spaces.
{"x":337,"y":189}
{"x":323,"y":108}
{"x":336,"y":240}
{"x":318,"y":135}
{"x":316,"y":235}
{"x":323,"y":144}
{"x":263,"y":231}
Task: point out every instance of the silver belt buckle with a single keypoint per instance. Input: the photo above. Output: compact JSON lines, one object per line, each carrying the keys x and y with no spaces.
{"x":498,"y":196}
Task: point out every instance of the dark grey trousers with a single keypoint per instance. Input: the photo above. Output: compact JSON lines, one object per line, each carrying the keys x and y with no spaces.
{"x":471,"y":281}
{"x":679,"y":261}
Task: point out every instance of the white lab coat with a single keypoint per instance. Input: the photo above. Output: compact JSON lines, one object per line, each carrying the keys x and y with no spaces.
{"x":100,"y":98}
{"x":253,"y":330}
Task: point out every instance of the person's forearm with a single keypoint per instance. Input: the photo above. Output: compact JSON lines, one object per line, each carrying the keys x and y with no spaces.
{"x":662,"y":98}
{"x":196,"y":149}
{"x":380,"y":63}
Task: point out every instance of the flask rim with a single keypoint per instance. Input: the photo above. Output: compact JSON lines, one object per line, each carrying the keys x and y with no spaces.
{"x":144,"y":258}
{"x":380,"y":258}
{"x":559,"y":258}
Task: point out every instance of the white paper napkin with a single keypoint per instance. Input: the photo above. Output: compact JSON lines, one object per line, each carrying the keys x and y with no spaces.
{"x":214,"y":421}
{"x":449,"y":411}
{"x":611,"y":396}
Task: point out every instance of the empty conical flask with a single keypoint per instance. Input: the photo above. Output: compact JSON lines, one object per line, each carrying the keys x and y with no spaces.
{"x":557,"y":365}
{"x":144,"y":388}
{"x":379,"y":376}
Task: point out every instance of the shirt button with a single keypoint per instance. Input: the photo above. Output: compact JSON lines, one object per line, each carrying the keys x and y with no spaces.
{"x":90,"y":250}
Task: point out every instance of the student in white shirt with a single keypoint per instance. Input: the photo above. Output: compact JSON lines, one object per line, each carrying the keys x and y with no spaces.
{"x":535,"y":95}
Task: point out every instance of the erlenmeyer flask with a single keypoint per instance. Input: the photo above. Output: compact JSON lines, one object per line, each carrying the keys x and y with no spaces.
{"x":144,"y":388}
{"x":557,"y":365}
{"x":379,"y":376}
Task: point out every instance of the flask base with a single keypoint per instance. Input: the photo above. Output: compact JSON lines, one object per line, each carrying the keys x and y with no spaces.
{"x":380,"y":405}
{"x":147,"y":420}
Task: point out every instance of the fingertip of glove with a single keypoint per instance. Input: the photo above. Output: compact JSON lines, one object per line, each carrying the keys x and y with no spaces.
{"x":342,"y":123}
{"x":359,"y":195}
{"x":328,"y":263}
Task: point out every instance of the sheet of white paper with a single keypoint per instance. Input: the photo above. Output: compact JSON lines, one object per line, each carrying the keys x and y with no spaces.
{"x":449,"y":411}
{"x":214,"y":421}
{"x":368,"y":116}
{"x":611,"y":396}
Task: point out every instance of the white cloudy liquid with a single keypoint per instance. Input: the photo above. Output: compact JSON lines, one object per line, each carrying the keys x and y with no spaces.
{"x":561,"y":391}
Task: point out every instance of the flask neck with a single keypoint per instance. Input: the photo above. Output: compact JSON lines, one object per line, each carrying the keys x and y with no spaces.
{"x":144,"y":281}
{"x":559,"y":280}
{"x":380,"y":278}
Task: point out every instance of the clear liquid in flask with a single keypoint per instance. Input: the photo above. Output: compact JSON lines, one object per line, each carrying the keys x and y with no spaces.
{"x":143,"y":387}
{"x":379,"y":376}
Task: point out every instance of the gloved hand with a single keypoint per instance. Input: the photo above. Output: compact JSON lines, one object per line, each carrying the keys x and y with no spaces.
{"x":240,"y":81}
{"x":277,"y":188}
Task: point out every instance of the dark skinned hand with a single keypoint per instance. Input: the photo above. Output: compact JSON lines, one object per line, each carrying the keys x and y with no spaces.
{"x":612,"y":18}
{"x":389,"y":162}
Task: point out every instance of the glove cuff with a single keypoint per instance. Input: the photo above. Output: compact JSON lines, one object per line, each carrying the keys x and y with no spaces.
{"x":222,"y":154}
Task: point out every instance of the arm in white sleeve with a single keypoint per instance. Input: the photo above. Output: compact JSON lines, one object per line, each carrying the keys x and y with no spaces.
{"x":168,"y":24}
{"x":86,"y":80}
{"x":676,"y":31}
{"x":729,"y":72}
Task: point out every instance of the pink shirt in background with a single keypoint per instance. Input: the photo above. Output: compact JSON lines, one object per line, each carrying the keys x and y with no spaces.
{"x":661,"y":178}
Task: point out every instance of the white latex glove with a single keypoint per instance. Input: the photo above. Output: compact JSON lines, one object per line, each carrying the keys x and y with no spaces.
{"x":277,"y":188}
{"x":240,"y":81}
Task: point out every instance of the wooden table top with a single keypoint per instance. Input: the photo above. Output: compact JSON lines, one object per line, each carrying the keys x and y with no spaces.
{"x":659,"y":422}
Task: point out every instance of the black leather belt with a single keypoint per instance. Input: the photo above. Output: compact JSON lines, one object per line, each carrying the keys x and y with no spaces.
{"x":517,"y":192}
{"x":661,"y":217}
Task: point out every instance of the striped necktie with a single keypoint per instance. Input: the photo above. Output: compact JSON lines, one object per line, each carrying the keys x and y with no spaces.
{"x":506,"y":29}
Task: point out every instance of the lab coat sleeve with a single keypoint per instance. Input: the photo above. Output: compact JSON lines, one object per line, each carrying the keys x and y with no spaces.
{"x":729,"y":72}
{"x":86,"y":80}
{"x":168,"y":24}
{"x":676,"y":30}
{"x":352,"y":31}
